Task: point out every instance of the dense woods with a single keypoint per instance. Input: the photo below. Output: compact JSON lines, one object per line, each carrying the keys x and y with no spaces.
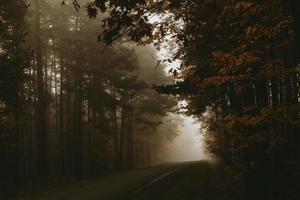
{"x":240,"y":75}
{"x":72,"y":107}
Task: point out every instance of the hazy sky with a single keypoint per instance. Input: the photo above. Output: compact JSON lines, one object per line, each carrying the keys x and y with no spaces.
{"x":188,"y":146}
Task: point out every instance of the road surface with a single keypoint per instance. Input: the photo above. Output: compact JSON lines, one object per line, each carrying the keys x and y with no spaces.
{"x":149,"y":183}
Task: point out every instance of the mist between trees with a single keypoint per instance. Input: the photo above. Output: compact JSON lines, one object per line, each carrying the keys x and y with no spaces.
{"x":73,"y":107}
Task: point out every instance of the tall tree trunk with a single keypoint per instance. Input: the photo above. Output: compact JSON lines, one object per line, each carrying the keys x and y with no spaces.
{"x":69,"y":128}
{"x":261,"y":89}
{"x":40,"y":107}
{"x":235,"y":99}
{"x":78,"y":126}
{"x":275,"y":93}
{"x":116,"y":150}
{"x":61,"y":118}
{"x":123,"y":138}
{"x":130,"y":135}
{"x":19,"y":138}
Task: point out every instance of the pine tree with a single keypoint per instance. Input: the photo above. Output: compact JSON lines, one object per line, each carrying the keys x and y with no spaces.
{"x":14,"y":59}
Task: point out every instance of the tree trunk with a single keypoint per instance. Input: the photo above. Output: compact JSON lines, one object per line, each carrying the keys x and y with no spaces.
{"x":61,"y":117}
{"x":78,"y":126}
{"x":116,"y":150}
{"x":40,"y":107}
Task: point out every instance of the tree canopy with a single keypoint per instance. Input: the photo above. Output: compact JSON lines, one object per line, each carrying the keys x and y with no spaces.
{"x":240,"y":59}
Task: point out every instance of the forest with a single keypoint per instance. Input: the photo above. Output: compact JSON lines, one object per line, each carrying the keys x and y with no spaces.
{"x":72,"y":107}
{"x":81,"y":93}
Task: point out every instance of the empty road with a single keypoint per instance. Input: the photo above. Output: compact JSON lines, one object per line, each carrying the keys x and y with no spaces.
{"x":150,"y":183}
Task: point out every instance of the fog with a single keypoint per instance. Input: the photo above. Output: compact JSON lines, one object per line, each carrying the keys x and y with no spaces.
{"x":189,"y":145}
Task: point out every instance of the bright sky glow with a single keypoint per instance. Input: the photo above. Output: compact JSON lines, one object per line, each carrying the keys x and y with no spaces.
{"x":164,"y":52}
{"x":189,"y":145}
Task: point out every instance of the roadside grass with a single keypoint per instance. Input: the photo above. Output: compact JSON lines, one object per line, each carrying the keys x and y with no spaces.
{"x":206,"y":181}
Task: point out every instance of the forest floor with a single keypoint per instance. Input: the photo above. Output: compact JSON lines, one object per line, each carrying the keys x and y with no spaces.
{"x":201,"y":180}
